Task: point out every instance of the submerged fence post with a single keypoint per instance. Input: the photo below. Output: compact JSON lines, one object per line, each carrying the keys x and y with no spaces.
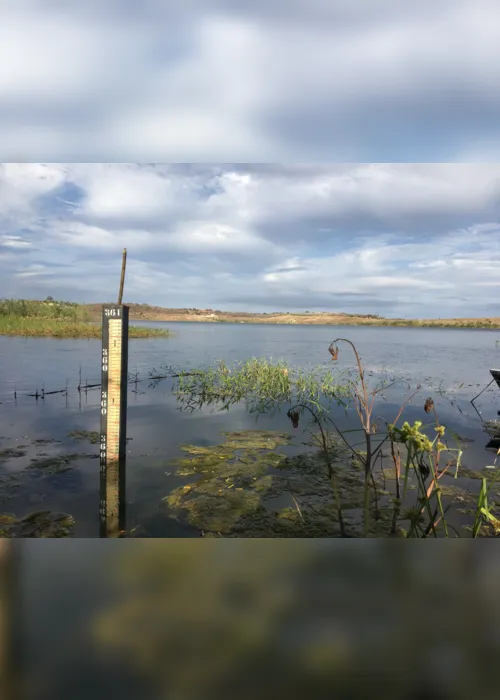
{"x":113,"y":443}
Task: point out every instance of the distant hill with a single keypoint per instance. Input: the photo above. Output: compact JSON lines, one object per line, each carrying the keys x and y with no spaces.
{"x":146,"y":312}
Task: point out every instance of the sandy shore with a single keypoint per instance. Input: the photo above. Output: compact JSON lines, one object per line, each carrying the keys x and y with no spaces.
{"x":140,"y":312}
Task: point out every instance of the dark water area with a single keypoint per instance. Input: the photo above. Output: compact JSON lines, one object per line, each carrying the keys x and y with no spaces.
{"x":452,"y":366}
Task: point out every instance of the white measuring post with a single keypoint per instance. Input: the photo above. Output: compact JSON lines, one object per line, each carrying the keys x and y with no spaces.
{"x":113,"y":443}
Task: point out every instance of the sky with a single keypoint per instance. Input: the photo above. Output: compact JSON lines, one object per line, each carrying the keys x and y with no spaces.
{"x":411,"y":240}
{"x":249,"y":81}
{"x":333,"y":155}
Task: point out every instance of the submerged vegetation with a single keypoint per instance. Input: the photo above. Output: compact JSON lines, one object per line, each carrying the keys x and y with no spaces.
{"x":40,"y":524}
{"x":400,"y":482}
{"x":248,"y":486}
{"x":57,"y":319}
{"x":91,"y":436}
{"x":245,"y":488}
{"x":30,"y":469}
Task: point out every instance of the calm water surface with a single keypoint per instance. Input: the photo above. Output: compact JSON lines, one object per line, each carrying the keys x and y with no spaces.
{"x":455,"y":361}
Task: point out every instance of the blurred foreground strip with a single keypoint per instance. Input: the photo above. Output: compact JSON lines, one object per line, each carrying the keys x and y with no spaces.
{"x":8,"y":588}
{"x":216,"y":619}
{"x":299,"y":619}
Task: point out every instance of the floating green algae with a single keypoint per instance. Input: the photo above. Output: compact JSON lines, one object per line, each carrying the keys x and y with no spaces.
{"x":12,"y":453}
{"x":39,"y":524}
{"x":232,"y":478}
{"x":8,"y":484}
{"x":40,"y":467}
{"x":208,"y":507}
{"x":288,"y":522}
{"x":480,"y":474}
{"x":256,"y":439}
{"x":91,"y":435}
{"x":55,"y":464}
{"x":240,"y":480}
{"x":246,"y":487}
{"x":248,"y":464}
{"x":390,"y":473}
{"x":457,"y":493}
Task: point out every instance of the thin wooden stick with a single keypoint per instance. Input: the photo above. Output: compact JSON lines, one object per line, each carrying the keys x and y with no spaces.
{"x":122,"y":280}
{"x":476,"y":397}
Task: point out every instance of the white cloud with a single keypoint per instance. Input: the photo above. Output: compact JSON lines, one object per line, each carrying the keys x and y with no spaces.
{"x":77,"y":234}
{"x":14,"y":242}
{"x":392,"y":270}
{"x":200,"y":237}
{"x":21,"y":184}
{"x":258,"y":81}
{"x":400,"y":239}
{"x":35,"y":271}
{"x":388,"y":192}
{"x":122,"y":192}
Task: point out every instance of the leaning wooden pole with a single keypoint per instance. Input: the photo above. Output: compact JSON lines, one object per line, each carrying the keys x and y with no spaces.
{"x":122,"y":278}
{"x":113,"y":442}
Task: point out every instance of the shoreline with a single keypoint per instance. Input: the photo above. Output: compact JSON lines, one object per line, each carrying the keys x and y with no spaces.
{"x":48,"y":328}
{"x":146,"y":312}
{"x":71,"y":319}
{"x":382,"y":323}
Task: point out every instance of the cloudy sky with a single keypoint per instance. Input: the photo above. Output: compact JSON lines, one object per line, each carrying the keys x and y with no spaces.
{"x":394,"y":239}
{"x":334,"y":86}
{"x":249,"y":80}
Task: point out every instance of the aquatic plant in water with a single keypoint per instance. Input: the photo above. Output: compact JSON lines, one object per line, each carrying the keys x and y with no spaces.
{"x":91,"y":436}
{"x":262,"y":385}
{"x":40,"y":524}
{"x":243,"y":487}
{"x":418,"y":486}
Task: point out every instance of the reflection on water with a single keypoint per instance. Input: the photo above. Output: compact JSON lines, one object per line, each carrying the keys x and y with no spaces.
{"x":44,"y":468}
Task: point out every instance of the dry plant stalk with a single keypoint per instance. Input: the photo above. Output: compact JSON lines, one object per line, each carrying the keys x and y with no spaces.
{"x":364,"y":403}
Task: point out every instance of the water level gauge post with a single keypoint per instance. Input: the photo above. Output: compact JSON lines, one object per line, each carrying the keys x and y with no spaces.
{"x":113,"y":433}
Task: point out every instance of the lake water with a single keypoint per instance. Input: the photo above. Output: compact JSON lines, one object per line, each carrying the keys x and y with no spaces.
{"x":452,"y":366}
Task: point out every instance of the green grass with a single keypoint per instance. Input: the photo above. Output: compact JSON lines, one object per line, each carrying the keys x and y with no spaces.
{"x":441,"y":324}
{"x":53,"y":328}
{"x":57,"y":319}
{"x":55,"y":310}
{"x":417,"y":323}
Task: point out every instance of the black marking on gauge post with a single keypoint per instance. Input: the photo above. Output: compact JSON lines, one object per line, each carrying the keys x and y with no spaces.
{"x":113,"y":442}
